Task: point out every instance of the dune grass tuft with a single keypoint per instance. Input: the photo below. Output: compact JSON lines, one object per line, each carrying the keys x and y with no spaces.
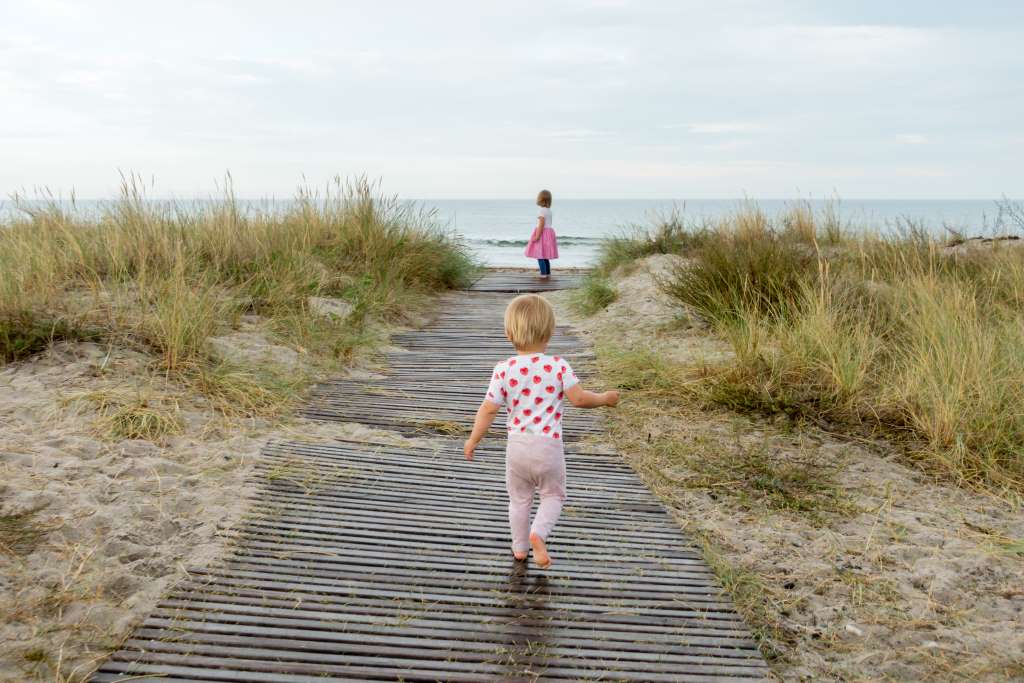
{"x":594,"y":294}
{"x":758,"y":475}
{"x":23,"y":334}
{"x":895,"y":334}
{"x":247,"y":391}
{"x":21,"y":532}
{"x":143,"y":413}
{"x":670,"y":234}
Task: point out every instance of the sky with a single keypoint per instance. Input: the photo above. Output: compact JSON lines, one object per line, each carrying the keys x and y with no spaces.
{"x":612,"y":99}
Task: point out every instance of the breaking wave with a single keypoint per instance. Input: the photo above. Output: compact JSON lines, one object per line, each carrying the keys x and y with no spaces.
{"x":570,"y":239}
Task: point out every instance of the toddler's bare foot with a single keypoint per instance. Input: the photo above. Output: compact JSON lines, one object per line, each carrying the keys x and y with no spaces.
{"x":540,"y":551}
{"x":519,"y":556}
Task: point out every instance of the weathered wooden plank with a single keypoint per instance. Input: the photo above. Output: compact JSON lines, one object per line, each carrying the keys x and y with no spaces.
{"x":650,"y":572}
{"x":520,"y":282}
{"x":548,"y":601}
{"x":445,"y":468}
{"x":214,"y":669}
{"x":520,"y":609}
{"x":339,"y":503}
{"x":455,"y":533}
{"x":577,"y":455}
{"x":357,"y":567}
{"x":334,"y":622}
{"x":368,"y":509}
{"x":325,"y":636}
{"x":441,"y":656}
{"x":361,"y":543}
{"x":582,"y":465}
{"x":699,"y":591}
{"x":441,"y":668}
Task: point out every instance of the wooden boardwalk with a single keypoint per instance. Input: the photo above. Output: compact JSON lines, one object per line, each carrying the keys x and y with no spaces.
{"x":514,"y":281}
{"x":365,"y":561}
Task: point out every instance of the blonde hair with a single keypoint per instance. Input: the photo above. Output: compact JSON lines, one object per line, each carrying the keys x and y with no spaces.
{"x":544,"y":199}
{"x":529,"y":321}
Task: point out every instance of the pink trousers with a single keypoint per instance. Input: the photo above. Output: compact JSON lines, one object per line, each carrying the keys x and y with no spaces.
{"x":533,"y":463}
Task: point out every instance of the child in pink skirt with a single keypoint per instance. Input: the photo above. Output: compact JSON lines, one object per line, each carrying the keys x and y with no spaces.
{"x":543,"y":244}
{"x":532,"y":386}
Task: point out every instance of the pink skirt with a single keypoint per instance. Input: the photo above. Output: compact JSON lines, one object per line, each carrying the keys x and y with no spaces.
{"x":545,"y":247}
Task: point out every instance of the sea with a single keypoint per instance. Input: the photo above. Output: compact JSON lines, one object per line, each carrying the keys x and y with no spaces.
{"x":497,"y":230}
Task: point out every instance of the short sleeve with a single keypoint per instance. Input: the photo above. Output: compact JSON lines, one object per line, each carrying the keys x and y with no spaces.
{"x":496,"y":389}
{"x":567,"y":375}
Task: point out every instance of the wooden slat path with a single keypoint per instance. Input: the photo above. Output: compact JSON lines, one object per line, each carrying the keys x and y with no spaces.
{"x":515,"y":281}
{"x":435,"y":384}
{"x":367,"y":561}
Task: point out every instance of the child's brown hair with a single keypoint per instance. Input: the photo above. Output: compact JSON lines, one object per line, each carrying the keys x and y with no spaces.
{"x":529,"y":321}
{"x":544,"y":199}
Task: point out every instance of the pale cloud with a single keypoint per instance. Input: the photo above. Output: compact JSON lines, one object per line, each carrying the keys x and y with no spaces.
{"x":575,"y":134}
{"x":845,"y":47}
{"x":727,"y":145}
{"x":645,"y":98}
{"x":721,"y":127}
{"x":59,"y":9}
{"x":923,"y":171}
{"x":913,"y":139}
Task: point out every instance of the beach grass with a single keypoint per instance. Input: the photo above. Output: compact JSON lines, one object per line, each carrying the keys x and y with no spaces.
{"x":594,"y":294}
{"x":20,"y":532}
{"x":669,"y":234}
{"x":754,"y":475}
{"x":166,"y":278}
{"x":899,"y":334}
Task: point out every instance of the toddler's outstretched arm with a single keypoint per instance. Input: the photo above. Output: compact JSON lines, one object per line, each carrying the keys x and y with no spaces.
{"x":581,"y":398}
{"x":484,"y":417}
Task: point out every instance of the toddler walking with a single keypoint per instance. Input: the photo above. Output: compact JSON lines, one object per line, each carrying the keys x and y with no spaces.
{"x":532,"y":387}
{"x":543,"y":244}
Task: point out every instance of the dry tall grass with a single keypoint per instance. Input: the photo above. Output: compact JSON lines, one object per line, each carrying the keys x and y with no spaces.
{"x":671,"y":234}
{"x":897,"y":333}
{"x":167,"y":278}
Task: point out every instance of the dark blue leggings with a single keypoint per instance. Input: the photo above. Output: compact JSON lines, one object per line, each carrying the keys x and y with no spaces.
{"x":545,"y":266}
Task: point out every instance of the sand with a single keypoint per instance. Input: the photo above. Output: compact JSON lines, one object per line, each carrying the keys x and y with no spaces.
{"x":916,"y":580}
{"x":119,"y":520}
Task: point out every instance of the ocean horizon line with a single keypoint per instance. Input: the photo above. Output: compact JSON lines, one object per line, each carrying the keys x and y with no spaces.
{"x":840,"y":199}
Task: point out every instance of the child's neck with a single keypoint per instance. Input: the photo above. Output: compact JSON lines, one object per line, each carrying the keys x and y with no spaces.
{"x":531,"y":349}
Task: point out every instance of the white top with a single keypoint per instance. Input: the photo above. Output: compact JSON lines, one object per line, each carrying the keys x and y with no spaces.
{"x":545,"y":213}
{"x":532,"y":388}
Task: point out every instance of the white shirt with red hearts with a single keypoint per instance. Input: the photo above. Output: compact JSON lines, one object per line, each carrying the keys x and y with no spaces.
{"x":532,"y":388}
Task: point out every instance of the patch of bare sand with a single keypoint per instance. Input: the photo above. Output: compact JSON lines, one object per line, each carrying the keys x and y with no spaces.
{"x":909,"y":579}
{"x":110,"y":524}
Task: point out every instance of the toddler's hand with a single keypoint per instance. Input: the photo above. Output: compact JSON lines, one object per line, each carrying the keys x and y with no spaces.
{"x":468,"y":449}
{"x":611,"y":398}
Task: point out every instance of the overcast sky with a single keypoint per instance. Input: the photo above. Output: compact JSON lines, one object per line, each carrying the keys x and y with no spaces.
{"x":679,"y":99}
